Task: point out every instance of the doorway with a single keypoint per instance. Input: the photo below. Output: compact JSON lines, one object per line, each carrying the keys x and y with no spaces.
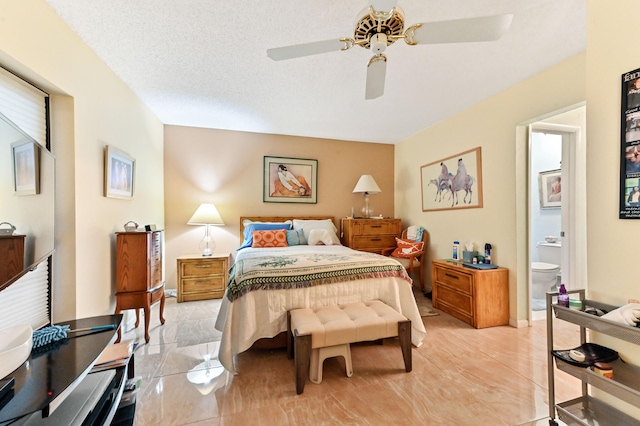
{"x":555,"y":148}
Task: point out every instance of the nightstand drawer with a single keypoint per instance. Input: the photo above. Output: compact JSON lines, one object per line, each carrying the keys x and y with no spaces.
{"x":374,"y":242}
{"x":200,"y":268}
{"x":461,"y":282}
{"x":204,"y":284}
{"x":461,"y":302}
{"x":373,"y":228}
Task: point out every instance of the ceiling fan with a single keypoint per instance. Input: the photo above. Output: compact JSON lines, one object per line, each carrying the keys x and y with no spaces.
{"x":382,"y":24}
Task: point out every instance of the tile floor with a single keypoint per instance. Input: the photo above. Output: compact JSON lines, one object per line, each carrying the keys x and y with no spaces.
{"x":461,"y":376}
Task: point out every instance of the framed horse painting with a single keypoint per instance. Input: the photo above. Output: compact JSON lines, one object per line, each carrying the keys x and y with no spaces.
{"x":453,"y":183}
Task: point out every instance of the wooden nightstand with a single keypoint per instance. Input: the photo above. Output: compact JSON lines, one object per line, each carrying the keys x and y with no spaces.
{"x":374,"y":235}
{"x":477,"y":297}
{"x":202,"y":277}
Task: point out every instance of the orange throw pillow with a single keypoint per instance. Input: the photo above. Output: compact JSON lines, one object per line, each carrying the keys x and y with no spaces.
{"x":270,"y":238}
{"x":407,"y":248}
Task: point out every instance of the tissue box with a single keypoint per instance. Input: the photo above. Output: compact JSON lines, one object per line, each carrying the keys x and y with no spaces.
{"x":467,"y":256}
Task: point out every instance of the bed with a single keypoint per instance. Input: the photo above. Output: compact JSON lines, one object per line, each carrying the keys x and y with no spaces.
{"x":264,"y":283}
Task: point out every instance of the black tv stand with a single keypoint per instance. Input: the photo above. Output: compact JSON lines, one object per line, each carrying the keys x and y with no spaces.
{"x":48,"y":378}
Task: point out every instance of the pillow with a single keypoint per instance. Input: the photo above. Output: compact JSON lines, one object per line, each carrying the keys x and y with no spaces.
{"x":324,"y":236}
{"x":257,"y":226}
{"x":269,"y":238}
{"x":295,"y":237}
{"x":307,"y":225}
{"x":247,"y":222}
{"x":407,"y":248}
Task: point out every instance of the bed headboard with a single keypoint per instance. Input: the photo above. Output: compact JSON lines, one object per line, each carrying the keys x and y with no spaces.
{"x":277,"y":219}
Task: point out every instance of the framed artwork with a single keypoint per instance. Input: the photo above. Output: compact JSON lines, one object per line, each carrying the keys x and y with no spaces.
{"x":630,"y":146}
{"x":453,"y":183}
{"x":290,"y":180}
{"x":119,"y":173}
{"x":26,"y":167}
{"x":550,"y":185}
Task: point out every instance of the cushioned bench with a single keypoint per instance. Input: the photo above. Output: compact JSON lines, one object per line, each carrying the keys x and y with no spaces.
{"x":319,"y":333}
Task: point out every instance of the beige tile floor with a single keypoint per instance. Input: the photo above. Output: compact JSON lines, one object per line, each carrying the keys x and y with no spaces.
{"x":461,"y":376}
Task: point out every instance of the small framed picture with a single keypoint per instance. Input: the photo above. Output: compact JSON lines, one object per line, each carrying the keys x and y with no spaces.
{"x":550,"y":183}
{"x":26,"y":167}
{"x":119,"y":173}
{"x":290,"y":180}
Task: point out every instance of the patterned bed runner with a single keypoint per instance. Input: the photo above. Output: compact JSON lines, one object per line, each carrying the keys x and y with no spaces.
{"x":306,"y":270}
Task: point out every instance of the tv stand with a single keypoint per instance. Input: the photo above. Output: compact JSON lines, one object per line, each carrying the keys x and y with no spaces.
{"x":48,"y":378}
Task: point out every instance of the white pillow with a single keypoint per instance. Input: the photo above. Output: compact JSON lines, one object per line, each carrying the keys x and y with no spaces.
{"x":324,"y":236}
{"x":307,"y":225}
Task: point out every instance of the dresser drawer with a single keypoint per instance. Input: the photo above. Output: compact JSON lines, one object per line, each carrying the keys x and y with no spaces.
{"x":453,"y":279}
{"x":374,"y":242}
{"x":197,"y":269}
{"x":204,"y":284}
{"x":463,"y":303}
{"x":373,"y":228}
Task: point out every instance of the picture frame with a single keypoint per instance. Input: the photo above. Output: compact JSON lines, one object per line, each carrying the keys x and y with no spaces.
{"x":453,"y":183}
{"x":629,"y":200}
{"x":119,"y":174}
{"x":290,"y":180}
{"x":25,"y":156}
{"x":549,"y":184}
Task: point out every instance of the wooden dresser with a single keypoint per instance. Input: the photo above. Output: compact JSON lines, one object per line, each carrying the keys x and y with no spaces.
{"x":374,"y":235}
{"x":477,"y":297}
{"x":11,"y":256}
{"x":139,"y":281}
{"x":202,"y":277}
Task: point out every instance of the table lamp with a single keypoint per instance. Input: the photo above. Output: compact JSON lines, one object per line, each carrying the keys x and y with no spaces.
{"x":206,"y":215}
{"x":367,"y":185}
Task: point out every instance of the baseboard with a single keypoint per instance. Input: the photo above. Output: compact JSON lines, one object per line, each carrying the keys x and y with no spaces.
{"x":518,"y":323}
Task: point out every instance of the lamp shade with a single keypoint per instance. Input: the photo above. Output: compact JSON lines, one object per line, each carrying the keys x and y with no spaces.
{"x":207,"y":214}
{"x":367,"y":184}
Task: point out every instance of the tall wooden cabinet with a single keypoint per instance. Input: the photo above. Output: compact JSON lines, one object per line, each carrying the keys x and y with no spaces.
{"x":139,"y":280}
{"x":477,"y":297}
{"x":374,"y":235}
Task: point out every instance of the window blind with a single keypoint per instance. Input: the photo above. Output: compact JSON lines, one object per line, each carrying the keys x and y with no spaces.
{"x":26,"y":301}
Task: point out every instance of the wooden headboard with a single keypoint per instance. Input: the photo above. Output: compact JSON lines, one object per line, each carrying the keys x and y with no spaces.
{"x":277,"y":219}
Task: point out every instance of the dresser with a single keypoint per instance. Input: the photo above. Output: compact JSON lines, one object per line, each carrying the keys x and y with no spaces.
{"x":374,"y":235}
{"x":202,"y":277}
{"x":11,"y":256}
{"x":477,"y":297}
{"x":139,"y":281}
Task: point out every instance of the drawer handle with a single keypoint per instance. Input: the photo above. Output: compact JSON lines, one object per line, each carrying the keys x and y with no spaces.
{"x":203,"y":266}
{"x":452,"y":276}
{"x":201,"y":282}
{"x":376,"y":239}
{"x":376,"y":226}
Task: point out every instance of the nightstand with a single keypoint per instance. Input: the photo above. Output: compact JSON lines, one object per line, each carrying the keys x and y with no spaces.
{"x":374,"y":235}
{"x":202,"y":277}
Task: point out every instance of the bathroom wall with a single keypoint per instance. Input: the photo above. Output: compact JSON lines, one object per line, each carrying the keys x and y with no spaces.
{"x":546,"y":155}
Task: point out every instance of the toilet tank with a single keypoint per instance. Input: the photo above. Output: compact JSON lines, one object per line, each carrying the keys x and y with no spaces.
{"x":549,"y":252}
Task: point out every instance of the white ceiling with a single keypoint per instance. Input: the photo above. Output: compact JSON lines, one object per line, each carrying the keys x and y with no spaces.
{"x":203,"y":63}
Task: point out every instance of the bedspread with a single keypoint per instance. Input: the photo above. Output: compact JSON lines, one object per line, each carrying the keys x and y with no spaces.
{"x":262,"y":313}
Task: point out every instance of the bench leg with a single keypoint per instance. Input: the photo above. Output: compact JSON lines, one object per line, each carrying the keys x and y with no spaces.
{"x":302,"y":356}
{"x":289,"y":337}
{"x":404,"y":334}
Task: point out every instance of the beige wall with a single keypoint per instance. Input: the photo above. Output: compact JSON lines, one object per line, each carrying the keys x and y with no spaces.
{"x":491,"y":125}
{"x":226,"y":168}
{"x":91,"y":108}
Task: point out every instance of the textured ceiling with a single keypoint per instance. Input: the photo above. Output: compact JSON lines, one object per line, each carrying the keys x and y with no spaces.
{"x":203,"y":63}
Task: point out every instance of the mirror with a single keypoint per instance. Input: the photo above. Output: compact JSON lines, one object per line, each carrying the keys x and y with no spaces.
{"x":30,"y":210}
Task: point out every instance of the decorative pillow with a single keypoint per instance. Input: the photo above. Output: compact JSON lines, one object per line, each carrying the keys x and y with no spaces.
{"x":295,"y":237}
{"x":407,"y":248}
{"x":257,"y":226}
{"x":322,"y":236}
{"x":307,"y":225}
{"x":270,"y":238}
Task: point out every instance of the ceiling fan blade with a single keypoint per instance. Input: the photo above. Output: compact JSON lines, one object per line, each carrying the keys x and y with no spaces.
{"x":383,"y":5}
{"x":486,"y":28}
{"x":376,"y":73}
{"x":305,"y":49}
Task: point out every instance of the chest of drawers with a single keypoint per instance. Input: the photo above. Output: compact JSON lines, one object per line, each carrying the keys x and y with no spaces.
{"x":202,"y":277}
{"x":477,"y":297}
{"x":373,"y":235}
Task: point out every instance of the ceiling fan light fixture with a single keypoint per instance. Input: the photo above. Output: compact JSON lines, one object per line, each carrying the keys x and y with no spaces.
{"x":378,"y":43}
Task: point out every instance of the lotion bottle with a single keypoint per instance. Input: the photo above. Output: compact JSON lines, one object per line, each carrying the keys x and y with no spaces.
{"x":456,"y":244}
{"x":563,"y":297}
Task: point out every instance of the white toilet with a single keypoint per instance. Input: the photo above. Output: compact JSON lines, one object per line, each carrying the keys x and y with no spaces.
{"x":544,"y":273}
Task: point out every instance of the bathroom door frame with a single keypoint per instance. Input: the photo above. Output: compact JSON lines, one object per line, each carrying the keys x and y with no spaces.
{"x":574,"y":224}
